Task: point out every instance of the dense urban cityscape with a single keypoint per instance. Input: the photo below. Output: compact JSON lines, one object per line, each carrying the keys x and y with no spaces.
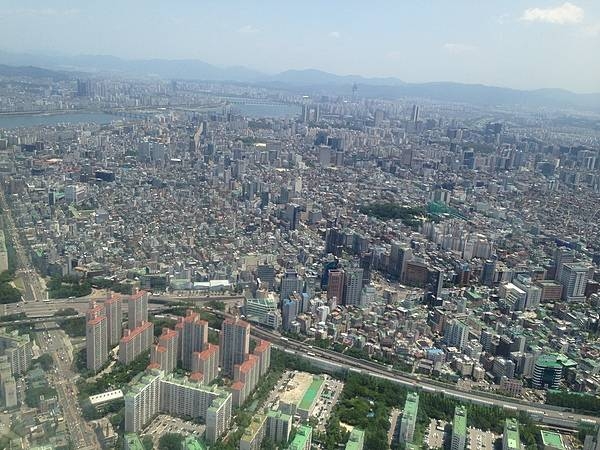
{"x":192,"y":264}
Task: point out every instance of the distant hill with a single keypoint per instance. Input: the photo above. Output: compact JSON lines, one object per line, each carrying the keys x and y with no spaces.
{"x":32,"y":72}
{"x":307,"y":81}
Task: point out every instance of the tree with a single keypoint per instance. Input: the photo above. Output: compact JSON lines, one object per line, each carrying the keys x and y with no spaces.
{"x":45,"y":361}
{"x":147,"y":442}
{"x":170,"y":441}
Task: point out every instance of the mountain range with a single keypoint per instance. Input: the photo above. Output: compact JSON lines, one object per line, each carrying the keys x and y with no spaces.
{"x":309,"y":81}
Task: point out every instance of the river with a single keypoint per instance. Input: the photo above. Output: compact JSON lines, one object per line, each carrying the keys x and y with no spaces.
{"x":35,"y":120}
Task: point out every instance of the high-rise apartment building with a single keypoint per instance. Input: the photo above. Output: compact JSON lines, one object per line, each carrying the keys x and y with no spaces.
{"x":18,"y":350}
{"x":234,"y":344}
{"x":206,"y":362}
{"x":459,"y":429}
{"x":409,"y":418}
{"x":135,"y":342}
{"x":164,"y":353}
{"x":137,"y":309}
{"x":114,"y":319}
{"x":194,"y":337}
{"x":96,"y":337}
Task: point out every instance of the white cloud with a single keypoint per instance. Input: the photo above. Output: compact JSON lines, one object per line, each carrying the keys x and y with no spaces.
{"x":248,"y":29}
{"x":458,"y":49}
{"x":564,"y":14}
{"x":335,"y":34}
{"x":591,"y":30}
{"x":41,"y":12}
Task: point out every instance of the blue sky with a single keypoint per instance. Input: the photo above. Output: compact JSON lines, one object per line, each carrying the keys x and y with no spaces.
{"x":514,"y":43}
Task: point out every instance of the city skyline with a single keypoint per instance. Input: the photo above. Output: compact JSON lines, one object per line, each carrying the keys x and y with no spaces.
{"x":553,"y":43}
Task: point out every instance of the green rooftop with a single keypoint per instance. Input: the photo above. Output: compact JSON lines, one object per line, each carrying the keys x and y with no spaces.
{"x":133,"y":442}
{"x":459,"y":426}
{"x":552,"y":439}
{"x":411,"y":406}
{"x":511,"y":434}
{"x":302,"y":439}
{"x":255,"y":425}
{"x":192,"y":443}
{"x":311,"y":394}
{"x":356,"y":441}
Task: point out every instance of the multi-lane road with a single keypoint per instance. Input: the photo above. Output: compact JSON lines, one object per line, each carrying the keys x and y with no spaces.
{"x":57,"y":344}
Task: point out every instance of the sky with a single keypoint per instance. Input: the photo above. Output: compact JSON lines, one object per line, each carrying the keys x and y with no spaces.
{"x":524,"y":44}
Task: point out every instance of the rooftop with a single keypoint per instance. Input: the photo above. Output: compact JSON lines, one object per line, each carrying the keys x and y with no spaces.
{"x":356,"y":439}
{"x":311,"y":393}
{"x":133,"y":442}
{"x":459,"y":426}
{"x":552,"y":439}
{"x":301,"y":439}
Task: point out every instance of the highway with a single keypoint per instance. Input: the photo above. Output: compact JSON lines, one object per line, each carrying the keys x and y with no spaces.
{"x":538,"y":411}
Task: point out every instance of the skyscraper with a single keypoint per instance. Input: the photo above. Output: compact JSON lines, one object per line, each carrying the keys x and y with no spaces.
{"x":574,"y":278}
{"x":353,"y":278}
{"x":335,"y":286}
{"x":414,"y":117}
{"x":114,"y":319}
{"x":96,"y":342}
{"x":234,"y":344}
{"x":290,"y":283}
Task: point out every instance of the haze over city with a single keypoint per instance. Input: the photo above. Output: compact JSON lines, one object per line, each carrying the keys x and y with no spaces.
{"x":519,"y":44}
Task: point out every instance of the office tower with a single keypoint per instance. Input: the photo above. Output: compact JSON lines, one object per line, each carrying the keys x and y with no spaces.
{"x":562,"y":256}
{"x":96,"y":337}
{"x":292,"y":215}
{"x":164,"y":353}
{"x":414,"y":117}
{"x":266,"y":274}
{"x":511,"y":439}
{"x":135,"y":342}
{"x":114,"y":319}
{"x":488,"y":272}
{"x":324,"y":156}
{"x":400,"y":254}
{"x":206,"y":362}
{"x":353,"y":278}
{"x":547,"y":372}
{"x":137,"y":309}
{"x":194,"y":337}
{"x":574,"y":278}
{"x":234,"y":344}
{"x":456,"y":334}
{"x":289,"y":311}
{"x":335,"y":285}
{"x":290,"y":283}
{"x":409,"y":418}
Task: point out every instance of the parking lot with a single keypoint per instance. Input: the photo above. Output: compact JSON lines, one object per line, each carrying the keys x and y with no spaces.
{"x":326,"y":401}
{"x":434,"y":436}
{"x":164,"y":424}
{"x":480,"y":440}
